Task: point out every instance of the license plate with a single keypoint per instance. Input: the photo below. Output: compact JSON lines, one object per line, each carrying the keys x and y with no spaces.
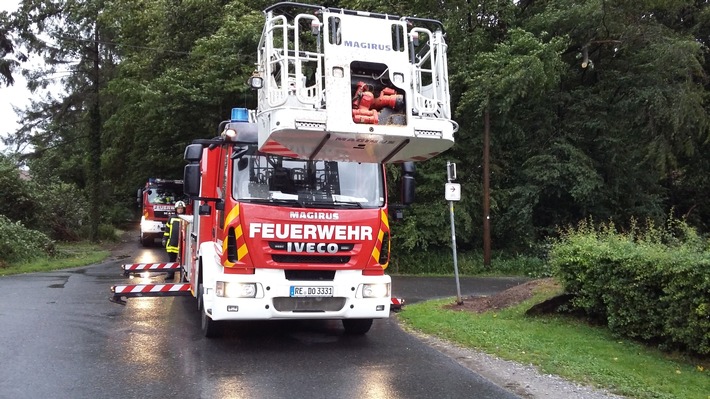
{"x":301,"y":291}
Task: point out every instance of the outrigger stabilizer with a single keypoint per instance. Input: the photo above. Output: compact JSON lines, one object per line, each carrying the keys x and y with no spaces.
{"x":396,"y":304}
{"x":141,"y":268}
{"x":148,"y":290}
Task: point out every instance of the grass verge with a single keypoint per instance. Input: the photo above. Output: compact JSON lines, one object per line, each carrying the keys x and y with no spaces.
{"x":566,"y":347}
{"x":68,"y":255}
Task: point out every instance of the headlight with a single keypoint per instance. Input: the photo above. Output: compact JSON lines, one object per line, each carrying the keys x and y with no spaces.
{"x":235,"y":290}
{"x":375,"y":290}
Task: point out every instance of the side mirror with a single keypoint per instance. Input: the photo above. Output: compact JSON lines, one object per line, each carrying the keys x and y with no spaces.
{"x":408,"y":183}
{"x":193,"y":153}
{"x":191,"y":180}
{"x":408,"y":168}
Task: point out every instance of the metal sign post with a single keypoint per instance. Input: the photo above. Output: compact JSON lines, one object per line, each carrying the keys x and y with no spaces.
{"x":453,"y":193}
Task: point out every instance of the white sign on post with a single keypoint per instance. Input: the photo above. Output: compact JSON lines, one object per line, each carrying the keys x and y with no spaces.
{"x":453,"y":192}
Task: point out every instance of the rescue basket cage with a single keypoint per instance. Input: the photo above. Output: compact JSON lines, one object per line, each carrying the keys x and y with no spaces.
{"x":330,"y":74}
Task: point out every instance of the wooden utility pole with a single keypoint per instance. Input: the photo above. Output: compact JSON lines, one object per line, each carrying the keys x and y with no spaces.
{"x":486,"y":190}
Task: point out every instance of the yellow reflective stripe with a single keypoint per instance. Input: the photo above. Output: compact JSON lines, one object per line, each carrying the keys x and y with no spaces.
{"x":388,"y":248}
{"x":376,"y":249}
{"x":231,"y":215}
{"x":242,"y":251}
{"x":385,"y":220}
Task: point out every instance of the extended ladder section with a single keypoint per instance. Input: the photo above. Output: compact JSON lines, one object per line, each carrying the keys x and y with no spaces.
{"x":343,"y":85}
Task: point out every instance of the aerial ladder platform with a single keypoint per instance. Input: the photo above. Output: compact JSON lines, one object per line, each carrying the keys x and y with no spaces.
{"x":342,"y":85}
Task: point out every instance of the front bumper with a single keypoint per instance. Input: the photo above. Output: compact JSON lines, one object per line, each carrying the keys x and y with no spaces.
{"x":273,"y":300}
{"x":151,"y":227}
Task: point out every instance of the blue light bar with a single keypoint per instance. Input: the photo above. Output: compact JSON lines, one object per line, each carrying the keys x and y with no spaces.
{"x":240,"y":115}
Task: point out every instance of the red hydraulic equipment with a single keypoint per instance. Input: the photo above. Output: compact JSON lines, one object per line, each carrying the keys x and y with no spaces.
{"x":361,"y":105}
{"x":366,"y":105}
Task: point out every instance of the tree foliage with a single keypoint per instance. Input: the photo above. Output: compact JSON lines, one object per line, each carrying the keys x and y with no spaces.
{"x":44,"y":204}
{"x":596,"y":109}
{"x":9,"y":59}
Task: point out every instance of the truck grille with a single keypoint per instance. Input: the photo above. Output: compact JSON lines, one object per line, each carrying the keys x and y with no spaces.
{"x":309,"y":275}
{"x":286,"y":304}
{"x":161,"y":214}
{"x":319,"y":259}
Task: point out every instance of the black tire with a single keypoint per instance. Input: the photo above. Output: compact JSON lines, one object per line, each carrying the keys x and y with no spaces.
{"x":210,"y":328}
{"x":199,"y":297}
{"x":357,"y":326}
{"x":146,"y":241}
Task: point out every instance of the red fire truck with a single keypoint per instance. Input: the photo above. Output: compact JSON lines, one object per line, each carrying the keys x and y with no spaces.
{"x":157,"y":201}
{"x":291,"y":214}
{"x":275,"y":237}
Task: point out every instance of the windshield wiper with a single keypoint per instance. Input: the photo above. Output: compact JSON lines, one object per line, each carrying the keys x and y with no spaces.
{"x":305,"y":204}
{"x":333,"y":204}
{"x":279,"y":201}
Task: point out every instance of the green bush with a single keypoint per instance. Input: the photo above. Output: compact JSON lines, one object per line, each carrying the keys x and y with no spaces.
{"x":650,"y":284}
{"x":62,"y":209}
{"x":16,"y":197}
{"x":56,"y":208}
{"x":687,"y":305}
{"x":18,"y":243}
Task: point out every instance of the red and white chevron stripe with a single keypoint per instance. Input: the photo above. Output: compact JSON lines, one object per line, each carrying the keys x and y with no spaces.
{"x":396,"y":304}
{"x":150,"y":266}
{"x":150,"y":288}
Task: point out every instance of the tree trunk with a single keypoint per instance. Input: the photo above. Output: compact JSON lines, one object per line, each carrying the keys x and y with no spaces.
{"x":94,"y":153}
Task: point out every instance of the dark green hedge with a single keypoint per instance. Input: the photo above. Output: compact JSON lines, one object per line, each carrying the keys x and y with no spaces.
{"x":18,"y":243}
{"x":651,"y":285}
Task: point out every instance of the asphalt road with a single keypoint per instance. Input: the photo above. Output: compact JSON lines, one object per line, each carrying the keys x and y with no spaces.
{"x":62,"y":338}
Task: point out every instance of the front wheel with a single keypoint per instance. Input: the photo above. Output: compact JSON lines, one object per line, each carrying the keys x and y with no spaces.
{"x":146,"y":241}
{"x":210,"y":328}
{"x":357,"y":326}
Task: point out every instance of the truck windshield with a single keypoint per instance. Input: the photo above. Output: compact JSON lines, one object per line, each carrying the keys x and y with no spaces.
{"x":165,"y":195}
{"x":296,"y":182}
